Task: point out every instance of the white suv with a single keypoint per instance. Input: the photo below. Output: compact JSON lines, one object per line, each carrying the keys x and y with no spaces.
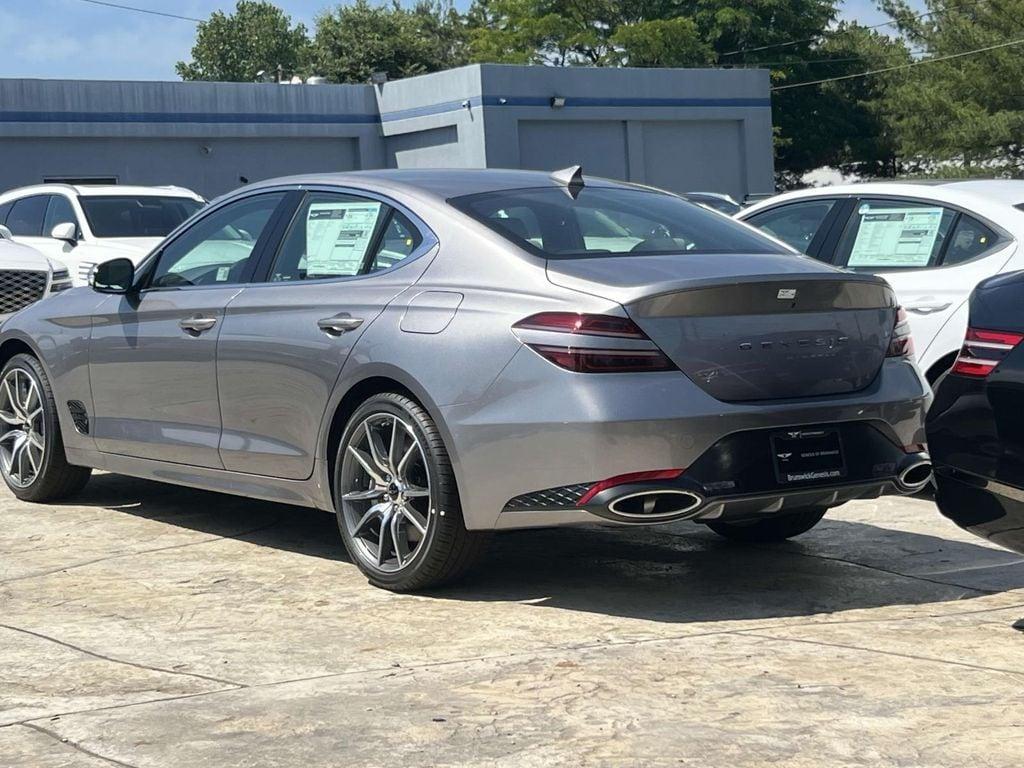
{"x":26,"y":276}
{"x":933,"y":242}
{"x":83,"y":225}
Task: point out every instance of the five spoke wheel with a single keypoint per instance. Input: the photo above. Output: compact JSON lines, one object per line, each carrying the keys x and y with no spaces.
{"x":22,"y":428}
{"x":385,"y":491}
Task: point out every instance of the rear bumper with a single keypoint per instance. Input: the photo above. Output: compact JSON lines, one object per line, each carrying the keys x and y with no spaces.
{"x":539,"y":427}
{"x":988,"y":509}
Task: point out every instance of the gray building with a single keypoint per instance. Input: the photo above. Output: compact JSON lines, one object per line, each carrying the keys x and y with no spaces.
{"x":681,"y":129}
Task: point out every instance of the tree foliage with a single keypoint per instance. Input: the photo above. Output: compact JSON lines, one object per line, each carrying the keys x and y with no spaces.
{"x":965,"y":112}
{"x":354,"y":41}
{"x":236,"y":46}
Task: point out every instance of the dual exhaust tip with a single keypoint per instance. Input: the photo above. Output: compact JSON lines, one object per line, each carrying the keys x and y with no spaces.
{"x":665,"y":504}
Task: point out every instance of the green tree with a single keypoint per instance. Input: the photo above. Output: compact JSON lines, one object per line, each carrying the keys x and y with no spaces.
{"x":843,"y":123}
{"x":353,"y":41}
{"x":964,"y":115}
{"x":235,"y":46}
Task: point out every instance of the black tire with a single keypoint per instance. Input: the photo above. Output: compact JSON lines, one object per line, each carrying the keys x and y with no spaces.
{"x":56,"y":478}
{"x":447,"y":550}
{"x":775,"y":528}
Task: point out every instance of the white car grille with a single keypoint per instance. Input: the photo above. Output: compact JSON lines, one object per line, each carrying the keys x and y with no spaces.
{"x":19,"y":289}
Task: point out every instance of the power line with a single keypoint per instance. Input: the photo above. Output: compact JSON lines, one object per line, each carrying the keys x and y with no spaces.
{"x":947,"y":57}
{"x":873,"y":26}
{"x":141,"y":10}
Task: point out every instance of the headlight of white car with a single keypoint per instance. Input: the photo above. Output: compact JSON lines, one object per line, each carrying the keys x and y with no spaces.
{"x":60,"y":279}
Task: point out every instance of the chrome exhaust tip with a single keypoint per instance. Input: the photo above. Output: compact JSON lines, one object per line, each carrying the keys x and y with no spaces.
{"x":662,"y":504}
{"x":915,"y":476}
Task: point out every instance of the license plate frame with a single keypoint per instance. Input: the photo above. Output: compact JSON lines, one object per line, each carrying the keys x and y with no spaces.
{"x":804,"y":456}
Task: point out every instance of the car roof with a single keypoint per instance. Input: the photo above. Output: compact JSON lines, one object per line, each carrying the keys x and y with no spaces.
{"x":92,"y":190}
{"x":998,"y":192}
{"x":435,"y":182}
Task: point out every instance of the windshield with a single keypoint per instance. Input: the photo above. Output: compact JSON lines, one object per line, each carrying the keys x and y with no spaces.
{"x":135,"y":215}
{"x":609,"y":220}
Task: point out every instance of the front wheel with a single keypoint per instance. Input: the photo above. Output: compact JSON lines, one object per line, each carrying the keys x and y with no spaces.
{"x":775,"y":528}
{"x":396,"y":498}
{"x":32,"y":458}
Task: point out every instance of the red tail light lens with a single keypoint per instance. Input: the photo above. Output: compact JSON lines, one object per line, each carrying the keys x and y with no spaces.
{"x":902,"y":343}
{"x":604,"y":360}
{"x":631,"y":477}
{"x":983,"y":351}
{"x":590,"y":359}
{"x":587,"y":325}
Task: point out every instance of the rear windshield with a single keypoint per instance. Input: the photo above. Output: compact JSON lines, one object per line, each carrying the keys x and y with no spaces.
{"x":609,"y":220}
{"x":136,"y":216}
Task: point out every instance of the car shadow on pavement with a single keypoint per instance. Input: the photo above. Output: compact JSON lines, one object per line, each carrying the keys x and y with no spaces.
{"x":676,"y":573}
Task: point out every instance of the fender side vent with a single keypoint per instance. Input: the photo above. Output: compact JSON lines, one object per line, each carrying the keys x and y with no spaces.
{"x":79,"y":415}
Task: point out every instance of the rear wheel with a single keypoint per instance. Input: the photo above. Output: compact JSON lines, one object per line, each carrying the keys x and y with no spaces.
{"x":397,"y":502}
{"x":775,"y":528}
{"x":32,"y":458}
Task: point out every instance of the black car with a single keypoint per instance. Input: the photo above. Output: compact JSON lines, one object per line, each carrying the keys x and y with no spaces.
{"x":976,"y":424}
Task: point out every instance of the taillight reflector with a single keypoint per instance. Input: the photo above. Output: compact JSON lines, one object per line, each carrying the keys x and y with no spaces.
{"x":630,"y":477}
{"x":582,"y":360}
{"x":983,"y":351}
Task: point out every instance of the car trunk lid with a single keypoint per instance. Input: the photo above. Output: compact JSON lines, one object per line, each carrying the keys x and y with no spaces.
{"x":748,"y":328}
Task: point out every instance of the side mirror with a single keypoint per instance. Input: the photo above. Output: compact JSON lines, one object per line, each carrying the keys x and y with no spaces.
{"x":5,"y":233}
{"x":65,"y":231}
{"x":114,"y":276}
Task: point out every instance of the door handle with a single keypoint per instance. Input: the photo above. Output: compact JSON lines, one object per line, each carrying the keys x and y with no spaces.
{"x":197,"y":324}
{"x":339,"y":324}
{"x":925,"y":308}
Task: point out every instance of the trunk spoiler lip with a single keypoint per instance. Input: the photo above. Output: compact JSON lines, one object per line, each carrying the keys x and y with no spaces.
{"x":767,"y":295}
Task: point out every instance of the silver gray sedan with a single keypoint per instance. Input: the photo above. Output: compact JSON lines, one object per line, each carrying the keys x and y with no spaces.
{"x":434,"y":355}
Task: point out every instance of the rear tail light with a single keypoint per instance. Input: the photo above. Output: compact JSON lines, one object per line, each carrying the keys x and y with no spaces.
{"x":902,"y":343}
{"x":631,"y":477}
{"x":586,"y":325}
{"x":595,"y":359}
{"x":983,"y":351}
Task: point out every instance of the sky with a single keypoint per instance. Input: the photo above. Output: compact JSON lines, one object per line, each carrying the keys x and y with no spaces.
{"x":80,"y":40}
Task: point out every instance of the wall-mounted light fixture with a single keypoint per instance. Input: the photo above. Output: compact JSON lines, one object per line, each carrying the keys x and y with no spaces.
{"x":557,"y":102}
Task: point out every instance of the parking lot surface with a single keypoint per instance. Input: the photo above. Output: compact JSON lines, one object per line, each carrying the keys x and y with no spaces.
{"x":147,"y":625}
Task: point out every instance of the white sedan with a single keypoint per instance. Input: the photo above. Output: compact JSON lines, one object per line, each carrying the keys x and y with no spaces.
{"x":83,"y":225}
{"x":933,"y":242}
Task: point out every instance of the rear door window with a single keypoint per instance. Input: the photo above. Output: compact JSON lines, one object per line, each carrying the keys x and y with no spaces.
{"x":26,"y":216}
{"x":895,"y":234}
{"x":795,"y":224}
{"x":331,"y":236}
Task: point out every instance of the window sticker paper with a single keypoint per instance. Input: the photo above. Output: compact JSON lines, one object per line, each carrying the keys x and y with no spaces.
{"x":895,"y":237}
{"x":337,"y":236}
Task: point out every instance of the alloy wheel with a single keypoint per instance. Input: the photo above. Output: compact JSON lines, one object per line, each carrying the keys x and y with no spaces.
{"x":22,"y":428}
{"x":385,"y":491}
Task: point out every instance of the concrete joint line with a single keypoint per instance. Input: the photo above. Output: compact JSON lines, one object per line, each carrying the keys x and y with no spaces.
{"x":77,"y":747}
